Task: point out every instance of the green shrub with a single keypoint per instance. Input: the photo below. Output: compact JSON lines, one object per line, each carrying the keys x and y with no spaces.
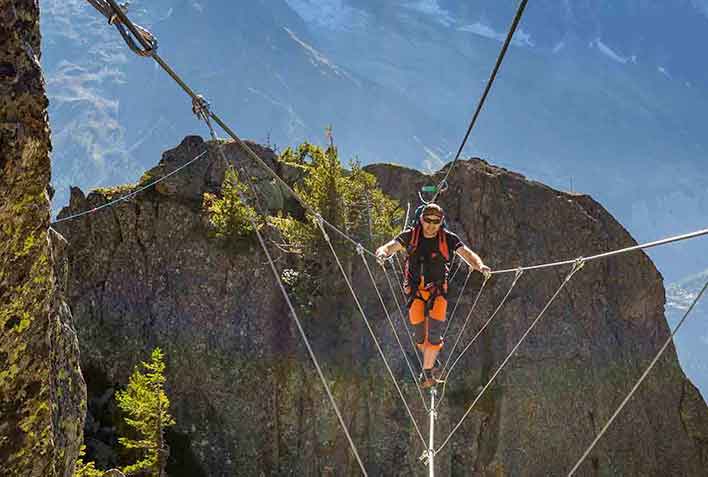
{"x":229,"y":217}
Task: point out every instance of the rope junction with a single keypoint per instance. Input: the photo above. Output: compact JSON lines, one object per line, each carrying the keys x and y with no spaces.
{"x":143,"y":43}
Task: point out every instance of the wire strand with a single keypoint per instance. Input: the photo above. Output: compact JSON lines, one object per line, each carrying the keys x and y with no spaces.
{"x":477,"y":335}
{"x":675,"y":238}
{"x":457,"y":303}
{"x":500,"y":58}
{"x":467,"y":319}
{"x":638,"y":383}
{"x":403,"y":318}
{"x":318,"y":219}
{"x":244,"y":147}
{"x":131,"y":194}
{"x":290,"y":306}
{"x":393,"y":328}
{"x":576,"y":266}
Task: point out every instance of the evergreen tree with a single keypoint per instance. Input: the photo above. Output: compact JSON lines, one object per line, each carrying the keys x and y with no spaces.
{"x":228,"y":216}
{"x":147,"y":408}
{"x":348,"y":199}
{"x":85,"y":469}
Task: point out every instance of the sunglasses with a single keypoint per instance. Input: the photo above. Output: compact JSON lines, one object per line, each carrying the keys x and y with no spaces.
{"x":432,"y":221}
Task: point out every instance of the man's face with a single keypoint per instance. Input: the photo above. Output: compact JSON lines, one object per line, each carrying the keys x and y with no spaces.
{"x":431,"y":225}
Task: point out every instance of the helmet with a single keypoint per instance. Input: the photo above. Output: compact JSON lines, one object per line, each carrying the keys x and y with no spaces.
{"x":432,"y":209}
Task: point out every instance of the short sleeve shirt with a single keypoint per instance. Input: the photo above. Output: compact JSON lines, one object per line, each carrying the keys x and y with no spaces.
{"x":453,"y":241}
{"x":425,"y":247}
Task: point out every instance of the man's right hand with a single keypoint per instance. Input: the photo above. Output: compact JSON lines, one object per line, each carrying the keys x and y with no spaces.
{"x":381,"y":256}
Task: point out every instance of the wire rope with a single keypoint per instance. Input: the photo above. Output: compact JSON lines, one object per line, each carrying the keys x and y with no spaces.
{"x":393,"y":328}
{"x":290,"y":306}
{"x":403,"y":318}
{"x":500,"y":58}
{"x":638,"y":383}
{"x":675,"y":238}
{"x":131,"y":194}
{"x":579,"y":263}
{"x":320,"y":223}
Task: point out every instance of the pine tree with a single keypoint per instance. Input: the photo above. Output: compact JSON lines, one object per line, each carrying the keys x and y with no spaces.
{"x":228,"y":216}
{"x":147,"y":408}
{"x":85,"y":469}
{"x":348,"y":199}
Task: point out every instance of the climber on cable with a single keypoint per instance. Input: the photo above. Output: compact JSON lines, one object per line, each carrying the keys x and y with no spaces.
{"x":429,"y":246}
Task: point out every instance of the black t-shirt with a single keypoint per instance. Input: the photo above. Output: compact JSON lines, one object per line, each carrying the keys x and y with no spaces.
{"x":426,"y":248}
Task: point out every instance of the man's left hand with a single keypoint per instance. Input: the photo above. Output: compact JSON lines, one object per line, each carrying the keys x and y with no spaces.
{"x":486,"y":271}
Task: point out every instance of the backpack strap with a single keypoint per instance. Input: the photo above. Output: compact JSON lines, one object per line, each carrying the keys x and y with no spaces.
{"x":415,"y":239}
{"x":442,"y":244}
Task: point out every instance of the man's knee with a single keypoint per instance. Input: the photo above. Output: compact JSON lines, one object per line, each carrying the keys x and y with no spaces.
{"x":435,"y":331}
{"x":419,"y":333}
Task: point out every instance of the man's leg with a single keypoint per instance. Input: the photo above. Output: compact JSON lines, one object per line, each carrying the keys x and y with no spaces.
{"x":429,"y":356}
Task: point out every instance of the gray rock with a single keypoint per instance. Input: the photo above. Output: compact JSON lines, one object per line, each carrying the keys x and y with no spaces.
{"x":42,"y":392}
{"x":145,"y":273}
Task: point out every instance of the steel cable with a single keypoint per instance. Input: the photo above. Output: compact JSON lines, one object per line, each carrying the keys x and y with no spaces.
{"x":393,"y":328}
{"x":576,"y":266}
{"x":638,"y":383}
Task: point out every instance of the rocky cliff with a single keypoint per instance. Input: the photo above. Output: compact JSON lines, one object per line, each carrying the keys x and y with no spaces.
{"x":42,"y":392}
{"x":244,"y":395}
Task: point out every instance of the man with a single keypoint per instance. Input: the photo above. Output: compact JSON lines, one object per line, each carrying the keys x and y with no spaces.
{"x":430,"y":247}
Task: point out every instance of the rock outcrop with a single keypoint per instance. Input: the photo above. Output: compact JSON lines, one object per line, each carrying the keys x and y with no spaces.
{"x":42,"y":392}
{"x":246,"y":400}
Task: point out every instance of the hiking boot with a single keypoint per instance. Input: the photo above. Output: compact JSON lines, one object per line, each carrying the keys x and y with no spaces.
{"x":437,"y":375}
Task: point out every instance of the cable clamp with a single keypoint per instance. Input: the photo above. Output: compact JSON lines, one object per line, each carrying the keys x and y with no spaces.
{"x":360,"y":249}
{"x":577,"y":265}
{"x":425,"y":457}
{"x":442,"y":187}
{"x":200,"y":107}
{"x":320,"y":223}
{"x":113,"y":19}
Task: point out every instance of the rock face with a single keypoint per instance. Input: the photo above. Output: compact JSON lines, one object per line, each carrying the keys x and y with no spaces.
{"x":244,"y":394}
{"x":42,"y":392}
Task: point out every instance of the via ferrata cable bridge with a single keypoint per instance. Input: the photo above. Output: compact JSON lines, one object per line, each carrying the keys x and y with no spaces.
{"x":144,"y":44}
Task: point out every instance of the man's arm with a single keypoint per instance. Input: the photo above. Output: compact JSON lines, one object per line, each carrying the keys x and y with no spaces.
{"x":388,"y":249}
{"x":473,"y":260}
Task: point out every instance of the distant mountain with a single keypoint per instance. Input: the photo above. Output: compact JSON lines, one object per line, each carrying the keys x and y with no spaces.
{"x":692,"y":338}
{"x":606,"y":98}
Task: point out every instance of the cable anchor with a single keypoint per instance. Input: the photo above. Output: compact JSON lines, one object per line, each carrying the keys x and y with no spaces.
{"x":319,"y":221}
{"x":200,"y":107}
{"x":577,"y":265}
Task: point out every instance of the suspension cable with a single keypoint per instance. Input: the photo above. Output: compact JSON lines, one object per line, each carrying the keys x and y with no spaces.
{"x":459,"y":265}
{"x":393,"y":328}
{"x":675,"y":238}
{"x":121,"y":17}
{"x":577,"y":265}
{"x":469,"y":314}
{"x":459,"y":296}
{"x":477,"y":335}
{"x":638,"y":383}
{"x":131,"y":194}
{"x":288,"y":301}
{"x":320,"y":223}
{"x":403,"y":318}
{"x":500,"y":58}
{"x":481,"y":330}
